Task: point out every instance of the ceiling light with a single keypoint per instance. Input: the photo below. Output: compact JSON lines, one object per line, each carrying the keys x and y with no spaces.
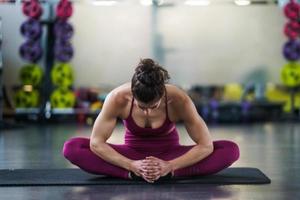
{"x":242,"y":2}
{"x":146,"y":2}
{"x":103,"y":3}
{"x":197,"y":2}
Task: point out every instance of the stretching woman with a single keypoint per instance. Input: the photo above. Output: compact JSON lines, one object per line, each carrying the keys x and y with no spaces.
{"x":150,"y":108}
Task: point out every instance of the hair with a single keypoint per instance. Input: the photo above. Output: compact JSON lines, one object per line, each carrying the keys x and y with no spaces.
{"x":148,"y":81}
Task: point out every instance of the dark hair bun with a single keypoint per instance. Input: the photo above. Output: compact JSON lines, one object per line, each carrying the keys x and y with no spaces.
{"x":148,"y":81}
{"x":150,"y":73}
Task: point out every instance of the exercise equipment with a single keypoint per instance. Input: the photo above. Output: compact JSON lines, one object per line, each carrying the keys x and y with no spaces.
{"x":31,"y":50}
{"x":245,"y":108}
{"x":87,"y":94}
{"x":62,"y":98}
{"x":32,"y":9}
{"x":63,"y":30}
{"x":291,"y":10}
{"x":232,"y":92}
{"x":253,"y":92}
{"x":275,"y":94}
{"x":64,"y":9}
{"x":214,"y":106}
{"x":32,"y":177}
{"x":26,"y":99}
{"x":204,"y":111}
{"x":63,"y":51}
{"x":292,"y":29}
{"x":288,"y":105}
{"x":31,"y":29}
{"x":290,"y":74}
{"x":62,"y":75}
{"x":291,"y":50}
{"x":31,"y":74}
{"x":96,"y":105}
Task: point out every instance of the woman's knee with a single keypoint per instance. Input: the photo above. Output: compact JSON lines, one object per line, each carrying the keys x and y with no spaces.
{"x":71,"y":147}
{"x":234,"y":150}
{"x":231,"y":148}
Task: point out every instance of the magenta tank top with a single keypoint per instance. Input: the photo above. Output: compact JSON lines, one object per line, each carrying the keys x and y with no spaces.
{"x":150,"y":138}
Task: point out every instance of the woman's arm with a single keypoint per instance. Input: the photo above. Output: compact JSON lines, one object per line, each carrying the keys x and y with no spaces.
{"x":197,"y":130}
{"x":102,"y":130}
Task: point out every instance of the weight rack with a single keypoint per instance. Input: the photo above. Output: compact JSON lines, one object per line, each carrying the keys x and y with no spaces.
{"x":44,"y":112}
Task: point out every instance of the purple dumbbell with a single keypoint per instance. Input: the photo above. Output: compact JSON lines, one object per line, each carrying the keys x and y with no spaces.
{"x":63,"y":51}
{"x":31,"y":50}
{"x":291,"y":50}
{"x":63,"y":30}
{"x":31,"y":29}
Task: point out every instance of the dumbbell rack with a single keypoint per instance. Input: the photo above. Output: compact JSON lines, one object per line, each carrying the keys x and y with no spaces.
{"x":42,"y":112}
{"x":293,"y":115}
{"x":291,"y":31}
{"x":45,"y":113}
{"x":49,"y":61}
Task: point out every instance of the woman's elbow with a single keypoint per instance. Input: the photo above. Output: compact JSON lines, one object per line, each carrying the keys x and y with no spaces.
{"x":95,"y":145}
{"x":210,"y":148}
{"x":206,"y":148}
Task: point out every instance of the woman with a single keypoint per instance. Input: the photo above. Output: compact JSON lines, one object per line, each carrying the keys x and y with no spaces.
{"x":150,"y":108}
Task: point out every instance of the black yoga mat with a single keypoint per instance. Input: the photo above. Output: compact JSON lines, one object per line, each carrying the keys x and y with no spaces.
{"x":48,"y":177}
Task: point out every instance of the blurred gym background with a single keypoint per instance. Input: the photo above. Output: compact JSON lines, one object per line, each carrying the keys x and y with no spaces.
{"x":237,"y":59}
{"x":232,"y":57}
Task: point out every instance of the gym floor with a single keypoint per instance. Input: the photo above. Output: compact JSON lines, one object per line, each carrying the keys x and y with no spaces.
{"x":271,"y":147}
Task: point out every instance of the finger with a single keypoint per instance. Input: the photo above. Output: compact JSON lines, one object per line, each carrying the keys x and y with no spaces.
{"x":151,"y":158}
{"x":152,"y":170}
{"x":152,"y":173}
{"x":147,"y":162}
{"x":149,"y":175}
{"x":138,"y":174}
{"x":148,"y":172}
{"x":148,"y":179}
{"x":151,"y":178}
{"x":150,"y":163}
{"x":150,"y":167}
{"x":154,"y":177}
{"x":158,"y":173}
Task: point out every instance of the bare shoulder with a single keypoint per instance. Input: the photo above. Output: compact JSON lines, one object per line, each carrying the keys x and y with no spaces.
{"x":177,"y":99}
{"x":121,"y":94}
{"x":118,"y":98}
{"x":176,"y":95}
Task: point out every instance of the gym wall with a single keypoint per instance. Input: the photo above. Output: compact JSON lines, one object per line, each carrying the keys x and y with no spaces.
{"x":221,"y":44}
{"x":198,"y":45}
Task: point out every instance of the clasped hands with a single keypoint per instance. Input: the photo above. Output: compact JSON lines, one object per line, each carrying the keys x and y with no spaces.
{"x":151,"y":168}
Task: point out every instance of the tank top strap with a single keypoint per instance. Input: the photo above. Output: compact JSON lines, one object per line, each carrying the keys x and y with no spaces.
{"x":166,"y":101}
{"x":131,"y":107}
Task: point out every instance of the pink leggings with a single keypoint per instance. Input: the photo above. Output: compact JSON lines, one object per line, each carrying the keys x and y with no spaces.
{"x":78,"y":152}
